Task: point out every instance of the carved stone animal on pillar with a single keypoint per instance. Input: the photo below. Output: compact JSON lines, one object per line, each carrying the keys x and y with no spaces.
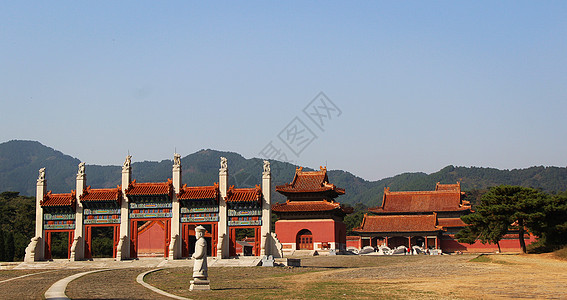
{"x":81,"y":172}
{"x":200,"y":268}
{"x":176,"y":160}
{"x":266,"y":166}
{"x":41,"y":177}
{"x":127,"y":162}
{"x":223,"y":164}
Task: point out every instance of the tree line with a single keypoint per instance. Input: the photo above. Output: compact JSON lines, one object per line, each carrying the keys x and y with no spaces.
{"x":507,"y":208}
{"x":17,"y":225}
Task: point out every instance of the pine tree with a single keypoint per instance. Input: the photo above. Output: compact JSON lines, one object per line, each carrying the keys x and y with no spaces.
{"x":502,"y":208}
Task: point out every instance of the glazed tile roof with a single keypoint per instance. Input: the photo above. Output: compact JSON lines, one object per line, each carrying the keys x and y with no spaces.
{"x":89,"y":194}
{"x":306,"y":206}
{"x":448,"y":187}
{"x":244,"y":194}
{"x":67,"y":199}
{"x":422,"y":201}
{"x":150,"y":188}
{"x":399,"y":223}
{"x":451,"y":222}
{"x":313,"y":181}
{"x":198,"y":192}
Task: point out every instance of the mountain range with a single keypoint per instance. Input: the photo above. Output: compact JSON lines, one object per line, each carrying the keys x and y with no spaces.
{"x":21,"y":160}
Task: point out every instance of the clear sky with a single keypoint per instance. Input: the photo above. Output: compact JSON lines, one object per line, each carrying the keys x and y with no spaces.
{"x":416,"y":85}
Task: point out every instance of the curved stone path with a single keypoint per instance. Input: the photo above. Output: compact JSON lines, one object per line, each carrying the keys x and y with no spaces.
{"x":31,"y":274}
{"x":57,"y":290}
{"x":140,"y":280}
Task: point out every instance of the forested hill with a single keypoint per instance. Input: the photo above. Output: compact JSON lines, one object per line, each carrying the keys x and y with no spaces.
{"x":21,"y":160}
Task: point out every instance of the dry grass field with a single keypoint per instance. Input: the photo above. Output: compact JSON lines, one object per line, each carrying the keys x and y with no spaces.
{"x":370,"y":277}
{"x":331,"y":277}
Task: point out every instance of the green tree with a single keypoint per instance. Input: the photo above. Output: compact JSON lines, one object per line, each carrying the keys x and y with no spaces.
{"x":552,"y":228}
{"x":502,"y":208}
{"x":354,"y":219}
{"x":2,"y":254}
{"x":9,"y":249}
{"x":484,"y":226}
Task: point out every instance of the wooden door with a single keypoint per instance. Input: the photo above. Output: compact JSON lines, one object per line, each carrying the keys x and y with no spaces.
{"x":304,"y":240}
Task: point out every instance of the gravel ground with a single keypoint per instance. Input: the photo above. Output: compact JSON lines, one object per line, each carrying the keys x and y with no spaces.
{"x":113,"y":284}
{"x":32,"y":287}
{"x":343,"y":277}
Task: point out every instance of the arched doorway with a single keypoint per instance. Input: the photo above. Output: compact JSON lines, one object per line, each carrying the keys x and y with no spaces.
{"x":304,"y":240}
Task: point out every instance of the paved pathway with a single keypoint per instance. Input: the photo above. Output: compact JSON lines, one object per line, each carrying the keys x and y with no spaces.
{"x":57,"y":290}
{"x":108,"y":263}
{"x":31,"y":274}
{"x":140,"y":280}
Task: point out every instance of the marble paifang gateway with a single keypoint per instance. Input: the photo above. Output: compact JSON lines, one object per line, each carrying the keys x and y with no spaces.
{"x":154,"y":218}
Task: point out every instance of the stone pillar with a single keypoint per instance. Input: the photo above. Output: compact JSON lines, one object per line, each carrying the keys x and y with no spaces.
{"x":123,"y":248}
{"x":79,"y":243}
{"x":175,"y":242}
{"x":37,"y":245}
{"x":266,"y":210}
{"x":223,"y":239}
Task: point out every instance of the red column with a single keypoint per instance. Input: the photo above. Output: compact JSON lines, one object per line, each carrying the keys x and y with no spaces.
{"x":116,"y":239}
{"x":70,"y":243}
{"x":257,"y":240}
{"x":48,"y":244}
{"x":214,"y":239}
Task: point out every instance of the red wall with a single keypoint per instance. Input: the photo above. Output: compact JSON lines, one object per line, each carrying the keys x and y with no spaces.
{"x":354,"y":241}
{"x":151,"y":240}
{"x":450,"y":244}
{"x":322,"y":230}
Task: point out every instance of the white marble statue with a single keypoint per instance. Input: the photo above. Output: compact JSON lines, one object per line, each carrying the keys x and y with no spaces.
{"x":223,"y":163}
{"x":200,"y":281}
{"x":266,"y":166}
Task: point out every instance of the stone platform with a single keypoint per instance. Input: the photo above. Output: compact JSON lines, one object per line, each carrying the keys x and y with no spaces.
{"x":105,"y":263}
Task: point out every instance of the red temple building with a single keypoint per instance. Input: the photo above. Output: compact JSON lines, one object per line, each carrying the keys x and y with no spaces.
{"x":425,"y":218}
{"x":310,"y":219}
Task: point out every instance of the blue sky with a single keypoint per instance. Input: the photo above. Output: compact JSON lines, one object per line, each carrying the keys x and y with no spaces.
{"x":419,"y":85}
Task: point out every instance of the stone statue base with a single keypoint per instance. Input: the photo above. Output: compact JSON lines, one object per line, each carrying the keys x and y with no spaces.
{"x":198,"y":284}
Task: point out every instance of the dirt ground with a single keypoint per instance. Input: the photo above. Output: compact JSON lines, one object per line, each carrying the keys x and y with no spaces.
{"x":342,"y":277}
{"x":400,"y":277}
